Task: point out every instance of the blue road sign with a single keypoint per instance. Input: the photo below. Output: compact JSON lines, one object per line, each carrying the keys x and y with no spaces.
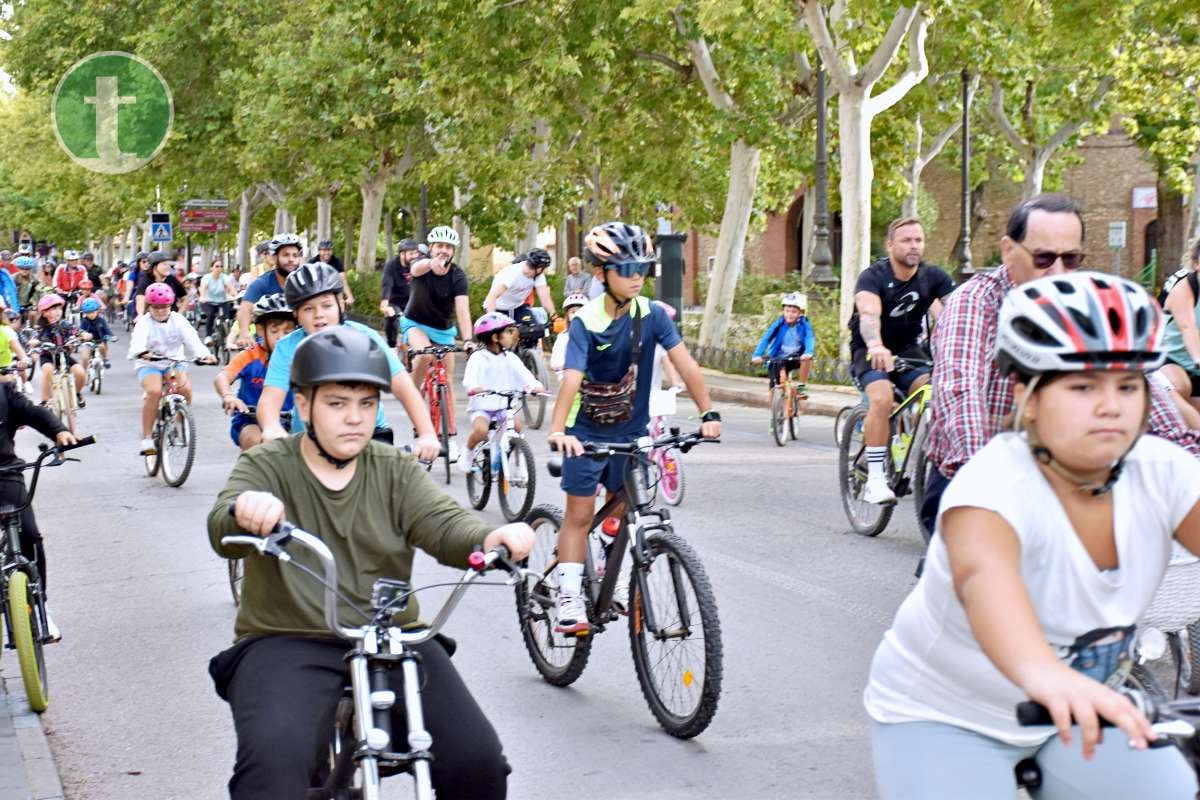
{"x":161,"y":232}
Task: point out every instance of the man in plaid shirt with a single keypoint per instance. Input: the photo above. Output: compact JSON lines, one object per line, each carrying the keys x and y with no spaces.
{"x":971,"y":399}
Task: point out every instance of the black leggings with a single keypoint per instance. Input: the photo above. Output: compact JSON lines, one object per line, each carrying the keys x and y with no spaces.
{"x":13,"y":493}
{"x":283,"y":692}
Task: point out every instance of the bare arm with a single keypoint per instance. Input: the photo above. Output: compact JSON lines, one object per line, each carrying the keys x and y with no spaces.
{"x":229,"y":400}
{"x":421,"y":266}
{"x":243,"y":319}
{"x":270,"y":403}
{"x":869,"y":308}
{"x":489,"y":302}
{"x":140,"y":305}
{"x":568,"y":387}
{"x":1188,"y":532}
{"x":414,"y":405}
{"x":693,"y":379}
{"x":935,"y":309}
{"x":985,"y":562}
{"x":1181,"y":305}
{"x":462,"y":312}
{"x":543,"y":293}
{"x":203,"y":295}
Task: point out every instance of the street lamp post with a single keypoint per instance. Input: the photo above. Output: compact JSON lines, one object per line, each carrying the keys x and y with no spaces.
{"x":822,"y":256}
{"x":964,"y":235}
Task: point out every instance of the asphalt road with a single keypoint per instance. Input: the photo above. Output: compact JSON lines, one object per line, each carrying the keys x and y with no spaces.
{"x":143,"y":603}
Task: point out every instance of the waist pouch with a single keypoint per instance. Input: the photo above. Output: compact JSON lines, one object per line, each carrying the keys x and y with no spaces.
{"x":609,"y":403}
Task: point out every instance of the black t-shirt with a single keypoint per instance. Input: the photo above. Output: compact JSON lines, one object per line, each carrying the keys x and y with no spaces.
{"x":148,"y":278}
{"x":333,"y":261}
{"x":905,"y":303}
{"x":396,"y":280}
{"x":431,"y":298}
{"x":16,"y":410}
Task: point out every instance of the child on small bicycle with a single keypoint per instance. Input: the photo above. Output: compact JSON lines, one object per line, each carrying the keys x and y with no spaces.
{"x":273,"y":320}
{"x":558,"y":354}
{"x":163,"y":333}
{"x":605,"y":393}
{"x":95,"y":326}
{"x":788,"y":342}
{"x":53,"y":329}
{"x":494,"y":366}
{"x":1051,"y":543}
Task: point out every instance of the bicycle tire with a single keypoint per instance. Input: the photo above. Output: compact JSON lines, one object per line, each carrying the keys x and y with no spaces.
{"x":682,"y":565}
{"x":839,"y":423}
{"x":533,"y":408}
{"x":98,"y":381}
{"x":66,"y":402}
{"x":181,"y":415}
{"x":560,"y":660}
{"x":237,"y":574}
{"x":1193,"y":656}
{"x":479,"y":484}
{"x":865,"y":518}
{"x":920,"y":478}
{"x":520,"y":448}
{"x":27,"y":639}
{"x":671,"y":479}
{"x":778,"y":417}
{"x":444,"y":415}
{"x":152,"y":463}
{"x":792,"y":427}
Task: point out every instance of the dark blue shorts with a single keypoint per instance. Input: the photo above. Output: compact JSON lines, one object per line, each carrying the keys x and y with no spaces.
{"x":864,"y":374}
{"x":581,"y":476}
{"x":238,"y":422}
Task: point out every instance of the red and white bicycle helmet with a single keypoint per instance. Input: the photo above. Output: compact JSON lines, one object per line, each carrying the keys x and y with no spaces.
{"x":159,"y":294}
{"x":491,"y":322}
{"x":1080,"y":321}
{"x":50,"y":301}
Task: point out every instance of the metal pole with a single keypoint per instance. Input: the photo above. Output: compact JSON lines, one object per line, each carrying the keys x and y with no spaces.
{"x":424,"y":212}
{"x":964,"y":236}
{"x":822,"y":256}
{"x":669,"y":286}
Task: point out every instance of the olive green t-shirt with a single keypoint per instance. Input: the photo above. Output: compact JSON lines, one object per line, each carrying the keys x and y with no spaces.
{"x":389,"y":508}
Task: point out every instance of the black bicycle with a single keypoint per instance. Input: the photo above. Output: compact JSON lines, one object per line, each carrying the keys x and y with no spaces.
{"x":529,"y":349}
{"x":24,"y":608}
{"x":674,"y":629}
{"x":361,"y":747}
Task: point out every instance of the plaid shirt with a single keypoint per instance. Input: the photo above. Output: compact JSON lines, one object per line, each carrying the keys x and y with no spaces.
{"x":971,"y":398}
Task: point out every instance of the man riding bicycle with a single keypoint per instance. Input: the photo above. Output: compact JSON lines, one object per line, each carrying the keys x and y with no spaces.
{"x":512,"y":285}
{"x":284,"y":254}
{"x":891,"y":299}
{"x":437,"y":299}
{"x":284,"y":675}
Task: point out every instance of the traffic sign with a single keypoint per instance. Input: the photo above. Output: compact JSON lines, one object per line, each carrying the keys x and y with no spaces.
{"x":1116,"y":234}
{"x":207,"y":204}
{"x":160,"y":226}
{"x":203,"y":226}
{"x":204,"y":213}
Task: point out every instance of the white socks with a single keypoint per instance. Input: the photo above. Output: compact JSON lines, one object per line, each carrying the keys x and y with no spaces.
{"x":875,"y":461}
{"x":570,"y":578}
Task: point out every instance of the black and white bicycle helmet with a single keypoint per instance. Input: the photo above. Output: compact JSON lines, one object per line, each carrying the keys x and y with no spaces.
{"x":272,"y":306}
{"x":309,"y":280}
{"x":618,"y":243}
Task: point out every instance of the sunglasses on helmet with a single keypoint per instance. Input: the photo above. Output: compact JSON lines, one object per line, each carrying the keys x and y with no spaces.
{"x":1043,"y":259}
{"x":627,"y":269}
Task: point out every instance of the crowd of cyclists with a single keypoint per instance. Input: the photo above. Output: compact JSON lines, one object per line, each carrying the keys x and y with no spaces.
{"x":1062,"y":449}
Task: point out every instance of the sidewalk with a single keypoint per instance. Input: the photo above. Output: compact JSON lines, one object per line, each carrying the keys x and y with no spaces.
{"x":27,"y":770}
{"x":823,"y":399}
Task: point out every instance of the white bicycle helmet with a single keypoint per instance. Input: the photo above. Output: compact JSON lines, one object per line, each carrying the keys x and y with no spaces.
{"x":1080,"y":321}
{"x":285,"y":240}
{"x":574,"y":300}
{"x":443,"y":234}
{"x":797,"y":299}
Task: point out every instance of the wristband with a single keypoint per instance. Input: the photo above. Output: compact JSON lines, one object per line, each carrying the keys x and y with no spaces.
{"x":552,"y":434}
{"x":710,"y":416}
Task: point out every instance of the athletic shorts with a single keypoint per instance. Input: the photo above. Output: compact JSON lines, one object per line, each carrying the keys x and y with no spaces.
{"x":491,"y":416}
{"x":146,"y":372}
{"x":864,"y":374}
{"x":436,"y":335}
{"x":581,"y":476}
{"x":48,"y":358}
{"x":790,"y":363}
{"x":238,"y":422}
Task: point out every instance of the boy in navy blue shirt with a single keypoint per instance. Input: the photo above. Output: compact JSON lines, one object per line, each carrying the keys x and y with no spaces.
{"x":604,"y":396}
{"x":788,"y":343}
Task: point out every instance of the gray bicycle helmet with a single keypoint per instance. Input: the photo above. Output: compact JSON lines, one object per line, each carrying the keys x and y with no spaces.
{"x":158,"y":257}
{"x":285,"y":240}
{"x":272,"y":306}
{"x":309,"y":280}
{"x":340,"y":355}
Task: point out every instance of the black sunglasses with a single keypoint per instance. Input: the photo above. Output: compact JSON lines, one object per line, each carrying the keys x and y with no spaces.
{"x":627,"y":269}
{"x":1072,"y":259}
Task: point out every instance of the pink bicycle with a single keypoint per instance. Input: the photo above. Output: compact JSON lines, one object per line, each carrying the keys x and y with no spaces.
{"x":666,"y":461}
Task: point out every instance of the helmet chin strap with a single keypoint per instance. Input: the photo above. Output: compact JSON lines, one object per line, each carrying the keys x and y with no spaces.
{"x":616,"y":300}
{"x":1044,"y":456}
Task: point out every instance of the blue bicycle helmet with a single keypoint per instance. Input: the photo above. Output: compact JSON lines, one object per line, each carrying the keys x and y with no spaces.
{"x":25,"y":262}
{"x":89,"y":305}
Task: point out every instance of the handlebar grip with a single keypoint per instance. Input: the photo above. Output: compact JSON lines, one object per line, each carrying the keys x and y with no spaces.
{"x":554,"y":467}
{"x":1031,"y":713}
{"x":84,"y":442}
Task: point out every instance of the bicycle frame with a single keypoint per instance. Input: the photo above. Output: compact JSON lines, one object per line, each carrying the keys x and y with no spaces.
{"x":914,"y":404}
{"x":435,"y":376}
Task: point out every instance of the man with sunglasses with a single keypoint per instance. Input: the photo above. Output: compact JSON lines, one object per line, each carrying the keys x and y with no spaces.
{"x":513,"y":285}
{"x":891,"y":300}
{"x":971,"y":398}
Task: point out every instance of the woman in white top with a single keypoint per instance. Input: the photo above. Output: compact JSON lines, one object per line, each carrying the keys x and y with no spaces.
{"x":1050,"y":545}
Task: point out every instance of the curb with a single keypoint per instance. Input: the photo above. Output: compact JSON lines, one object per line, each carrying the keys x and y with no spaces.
{"x":41,"y":773}
{"x":758,"y":399}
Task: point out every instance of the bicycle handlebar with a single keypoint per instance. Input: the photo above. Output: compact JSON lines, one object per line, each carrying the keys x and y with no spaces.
{"x":437,"y":350}
{"x":284,"y":533}
{"x":47,"y":451}
{"x":683,"y":441}
{"x":1169,"y":717}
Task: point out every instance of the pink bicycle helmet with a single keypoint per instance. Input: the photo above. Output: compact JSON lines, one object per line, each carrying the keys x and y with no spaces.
{"x":492,"y":322}
{"x":50,"y":301}
{"x":159,"y":294}
{"x":667,"y":307}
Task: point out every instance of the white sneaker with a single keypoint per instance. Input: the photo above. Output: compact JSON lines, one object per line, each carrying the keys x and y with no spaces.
{"x":878,"y":492}
{"x":148,"y":448}
{"x":620,"y":598}
{"x":453,"y":448}
{"x":467,"y":465}
{"x":572,"y":614}
{"x":53,"y":634}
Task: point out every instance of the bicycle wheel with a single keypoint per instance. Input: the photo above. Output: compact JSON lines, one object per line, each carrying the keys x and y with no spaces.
{"x":779,"y":417}
{"x":236,"y":575}
{"x":66,"y":402}
{"x":27,"y":638}
{"x":679,"y":665}
{"x":479,"y":482}
{"x":1193,"y":657}
{"x":839,"y":424}
{"x":796,"y":408}
{"x":177,"y":448}
{"x":559,"y":659}
{"x":534,"y":408}
{"x":517,"y":482}
{"x":866,"y":518}
{"x":444,"y":433}
{"x":670,"y":477}
{"x":153,"y":462}
{"x":920,"y":478}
